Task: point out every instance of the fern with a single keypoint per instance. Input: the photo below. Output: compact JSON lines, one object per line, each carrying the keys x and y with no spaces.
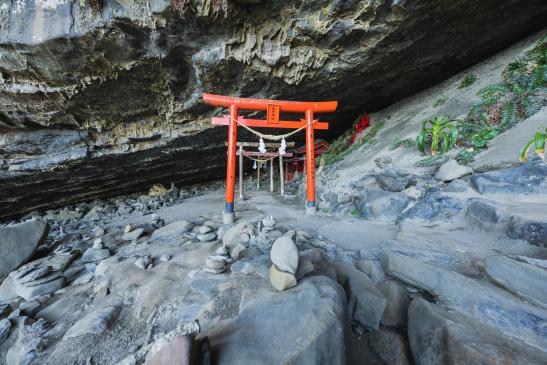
{"x":531,"y":105}
{"x":394,"y":143}
{"x":466,"y":156}
{"x":431,"y":161}
{"x":492,"y":94}
{"x":509,"y":115}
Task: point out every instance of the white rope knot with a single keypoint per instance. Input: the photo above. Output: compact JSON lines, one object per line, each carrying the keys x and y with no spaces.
{"x":261,"y":146}
{"x":282,"y":147}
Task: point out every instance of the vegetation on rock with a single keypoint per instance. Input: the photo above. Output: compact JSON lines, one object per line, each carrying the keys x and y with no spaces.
{"x":343,"y":146}
{"x":440,"y":133}
{"x":521,"y":94}
{"x":538,"y":142}
{"x":467,"y":81}
{"x":440,"y":101}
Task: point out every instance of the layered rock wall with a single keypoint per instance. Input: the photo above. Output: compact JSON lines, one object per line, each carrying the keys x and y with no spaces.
{"x":96,"y":103}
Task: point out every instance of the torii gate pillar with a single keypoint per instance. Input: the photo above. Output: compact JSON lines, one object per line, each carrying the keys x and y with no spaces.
{"x":229,"y":216}
{"x":310,"y":164}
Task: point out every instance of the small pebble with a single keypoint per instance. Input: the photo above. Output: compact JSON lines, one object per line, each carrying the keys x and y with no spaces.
{"x":165,"y":258}
{"x":98,"y":244}
{"x":216,"y":271}
{"x":204,"y":229}
{"x":268,"y":222}
{"x":128,"y":228}
{"x":214,"y":264}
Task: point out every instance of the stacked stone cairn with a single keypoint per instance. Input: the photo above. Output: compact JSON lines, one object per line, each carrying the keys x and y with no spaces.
{"x":284,"y":256}
{"x":219,"y":261}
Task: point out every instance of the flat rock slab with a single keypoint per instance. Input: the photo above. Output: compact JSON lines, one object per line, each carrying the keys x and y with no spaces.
{"x":485,"y":303}
{"x":528,"y":178}
{"x":95,"y":322}
{"x":304,"y":325}
{"x":257,"y":265}
{"x":527,"y":281}
{"x":437,"y":336}
{"x":172,"y":231}
{"x":18,"y":243}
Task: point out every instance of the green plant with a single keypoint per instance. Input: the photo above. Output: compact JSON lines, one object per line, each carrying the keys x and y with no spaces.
{"x":467,"y":81}
{"x":355,"y":213}
{"x":538,"y":142}
{"x":520,"y":94}
{"x":440,"y":101}
{"x":342,"y":146}
{"x":441,"y":133}
{"x":466,"y":156}
{"x":397,"y":142}
{"x":431,"y":161}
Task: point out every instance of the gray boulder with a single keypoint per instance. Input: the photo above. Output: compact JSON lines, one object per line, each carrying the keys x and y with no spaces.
{"x":491,"y":215}
{"x":451,"y":170}
{"x":397,"y":302}
{"x":366,"y":304}
{"x":484,"y":303}
{"x":526,"y":281}
{"x":385,"y":347}
{"x":527,"y":178}
{"x":531,"y":231}
{"x":18,"y":243}
{"x":382,"y":204}
{"x":304,"y":325}
{"x":439,"y":337}
{"x":435,"y":206}
{"x":392,"y":181}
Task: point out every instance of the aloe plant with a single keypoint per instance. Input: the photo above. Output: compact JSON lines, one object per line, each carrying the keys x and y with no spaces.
{"x":539,"y":141}
{"x":440,"y":131}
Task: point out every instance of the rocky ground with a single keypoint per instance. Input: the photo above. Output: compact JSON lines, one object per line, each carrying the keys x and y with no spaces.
{"x":432,"y":262}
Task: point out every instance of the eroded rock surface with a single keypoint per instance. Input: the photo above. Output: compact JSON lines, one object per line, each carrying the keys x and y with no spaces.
{"x":102,"y":102}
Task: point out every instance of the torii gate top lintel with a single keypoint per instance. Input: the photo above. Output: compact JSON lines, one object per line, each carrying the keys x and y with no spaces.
{"x":273,"y":109}
{"x":262,"y":104}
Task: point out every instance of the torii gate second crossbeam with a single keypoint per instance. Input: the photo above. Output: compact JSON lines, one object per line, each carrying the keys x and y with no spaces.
{"x":273,"y":109}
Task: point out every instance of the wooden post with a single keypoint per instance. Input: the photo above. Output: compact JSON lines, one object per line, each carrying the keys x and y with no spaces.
{"x":310,"y":164}
{"x":282,"y":184}
{"x":241,"y":172}
{"x":229,"y":213}
{"x":271,"y":175}
{"x":258,"y":176}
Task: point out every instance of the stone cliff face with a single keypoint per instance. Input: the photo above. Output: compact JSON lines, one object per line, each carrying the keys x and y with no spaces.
{"x":96,"y":103}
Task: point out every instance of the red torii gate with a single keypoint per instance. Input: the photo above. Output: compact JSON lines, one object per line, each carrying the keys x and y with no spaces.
{"x":273,"y":109}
